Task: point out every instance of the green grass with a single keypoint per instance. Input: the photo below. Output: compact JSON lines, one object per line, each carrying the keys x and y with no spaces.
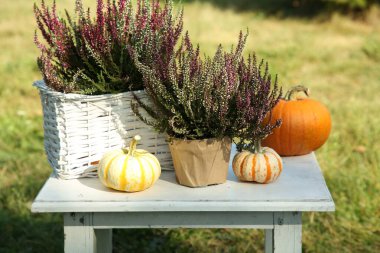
{"x":337,"y":58}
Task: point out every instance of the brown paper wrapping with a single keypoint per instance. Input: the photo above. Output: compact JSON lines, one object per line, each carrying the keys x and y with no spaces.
{"x":200,"y":163}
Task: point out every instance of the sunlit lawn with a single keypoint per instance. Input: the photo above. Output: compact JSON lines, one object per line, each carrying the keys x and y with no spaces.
{"x":338,"y":59}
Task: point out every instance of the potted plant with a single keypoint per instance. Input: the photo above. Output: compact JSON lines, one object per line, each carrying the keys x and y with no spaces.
{"x":88,"y":73}
{"x":257,"y":95}
{"x":192,"y":102}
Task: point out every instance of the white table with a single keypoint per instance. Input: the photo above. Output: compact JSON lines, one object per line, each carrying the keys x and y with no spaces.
{"x":92,"y":210}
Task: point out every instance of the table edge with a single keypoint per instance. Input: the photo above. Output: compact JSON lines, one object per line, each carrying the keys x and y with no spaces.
{"x":173,"y":206}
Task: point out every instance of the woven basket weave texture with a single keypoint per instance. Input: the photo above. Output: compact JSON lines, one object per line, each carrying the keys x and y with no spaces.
{"x":79,"y":129}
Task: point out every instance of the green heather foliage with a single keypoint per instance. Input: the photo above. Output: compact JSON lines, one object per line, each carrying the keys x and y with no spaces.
{"x":92,"y":56}
{"x":257,"y":95}
{"x":195,"y":98}
{"x":192,"y":97}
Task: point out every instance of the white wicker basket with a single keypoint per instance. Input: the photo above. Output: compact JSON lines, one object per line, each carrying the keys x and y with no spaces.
{"x":79,"y":129}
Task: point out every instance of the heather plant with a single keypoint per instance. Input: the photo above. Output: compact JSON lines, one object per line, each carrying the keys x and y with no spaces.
{"x":93,"y":55}
{"x":193,"y":97}
{"x":256,"y":97}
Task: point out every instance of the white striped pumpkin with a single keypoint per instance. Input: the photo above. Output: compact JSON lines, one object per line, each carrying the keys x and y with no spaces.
{"x":129,"y":169}
{"x":262,"y":167}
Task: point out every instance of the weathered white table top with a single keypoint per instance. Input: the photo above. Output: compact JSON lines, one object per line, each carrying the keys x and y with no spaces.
{"x":300,"y":187}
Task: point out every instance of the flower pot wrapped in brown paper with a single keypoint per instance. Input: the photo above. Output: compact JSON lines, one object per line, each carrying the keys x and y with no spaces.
{"x":200,"y":163}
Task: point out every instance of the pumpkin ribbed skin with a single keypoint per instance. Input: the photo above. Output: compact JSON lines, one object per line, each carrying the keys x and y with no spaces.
{"x":263,"y":167}
{"x":306,"y":125}
{"x":129,"y":172}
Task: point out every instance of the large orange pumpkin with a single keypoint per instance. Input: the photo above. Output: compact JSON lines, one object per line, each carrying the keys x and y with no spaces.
{"x":306,"y":124}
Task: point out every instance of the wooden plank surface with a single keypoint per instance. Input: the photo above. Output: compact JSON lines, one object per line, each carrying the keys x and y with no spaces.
{"x":301,"y":187}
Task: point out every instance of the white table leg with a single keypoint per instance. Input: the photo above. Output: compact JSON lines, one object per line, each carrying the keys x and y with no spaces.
{"x":268,"y":240}
{"x":80,"y":236}
{"x":286,"y":237}
{"x":103,"y":240}
{"x":79,"y":233}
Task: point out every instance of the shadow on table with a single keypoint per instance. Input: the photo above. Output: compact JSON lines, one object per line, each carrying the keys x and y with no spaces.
{"x":95,"y":183}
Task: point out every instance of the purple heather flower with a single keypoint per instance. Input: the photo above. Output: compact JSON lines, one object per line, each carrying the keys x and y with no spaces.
{"x":100,"y":49}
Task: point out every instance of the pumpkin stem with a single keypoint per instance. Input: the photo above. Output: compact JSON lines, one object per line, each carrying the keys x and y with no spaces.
{"x":293,"y":93}
{"x":257,"y":146}
{"x":133,"y":144}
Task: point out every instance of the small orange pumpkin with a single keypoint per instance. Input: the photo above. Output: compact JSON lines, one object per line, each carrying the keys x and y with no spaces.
{"x":263,"y":166}
{"x":306,"y":124}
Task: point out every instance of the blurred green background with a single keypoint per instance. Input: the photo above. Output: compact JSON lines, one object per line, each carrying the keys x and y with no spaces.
{"x":331,"y":46}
